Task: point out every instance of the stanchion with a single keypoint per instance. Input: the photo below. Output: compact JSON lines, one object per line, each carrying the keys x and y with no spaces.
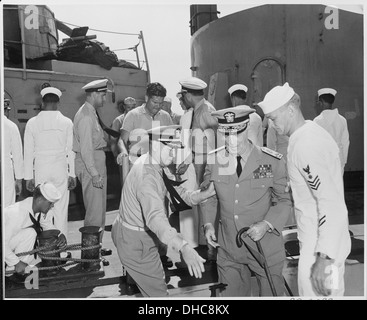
{"x":48,"y":239}
{"x":90,"y":237}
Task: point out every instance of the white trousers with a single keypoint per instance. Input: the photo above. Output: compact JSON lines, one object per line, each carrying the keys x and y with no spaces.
{"x":54,"y":170}
{"x":189,"y":219}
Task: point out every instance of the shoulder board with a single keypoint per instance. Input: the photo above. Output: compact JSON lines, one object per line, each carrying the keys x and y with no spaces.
{"x":272,"y":153}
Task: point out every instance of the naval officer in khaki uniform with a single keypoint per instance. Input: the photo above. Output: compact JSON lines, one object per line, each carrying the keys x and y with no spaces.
{"x":142,"y":217}
{"x":250,"y":184}
{"x":90,"y":158}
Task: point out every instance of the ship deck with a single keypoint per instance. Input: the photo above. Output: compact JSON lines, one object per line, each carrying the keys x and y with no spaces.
{"x":110,"y":282}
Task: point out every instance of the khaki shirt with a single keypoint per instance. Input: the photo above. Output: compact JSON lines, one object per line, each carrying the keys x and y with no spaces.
{"x":142,"y":200}
{"x":117,"y":122}
{"x":137,"y":122}
{"x":88,"y":136}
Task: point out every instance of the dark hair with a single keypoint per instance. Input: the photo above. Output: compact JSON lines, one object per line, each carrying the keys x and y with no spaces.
{"x":240,"y":94}
{"x":37,"y":192}
{"x":328,"y":98}
{"x":50,"y":98}
{"x":156,"y":89}
{"x":121,"y":106}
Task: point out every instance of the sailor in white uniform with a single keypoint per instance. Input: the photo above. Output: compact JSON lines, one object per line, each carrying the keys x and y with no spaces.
{"x":13,"y":159}
{"x":48,"y":154}
{"x":23,"y":220}
{"x":333,"y":122}
{"x":317,"y":186}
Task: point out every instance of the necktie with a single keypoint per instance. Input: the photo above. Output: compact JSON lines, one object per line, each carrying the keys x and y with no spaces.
{"x":239,"y":166}
{"x":192,"y":117}
{"x":109,"y":131}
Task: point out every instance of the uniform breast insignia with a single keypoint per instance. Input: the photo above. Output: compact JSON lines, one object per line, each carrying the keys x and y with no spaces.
{"x":314,"y":182}
{"x":272,"y":153}
{"x":263,"y":171}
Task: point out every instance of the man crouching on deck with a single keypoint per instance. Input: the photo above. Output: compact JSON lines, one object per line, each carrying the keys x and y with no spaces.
{"x":142,"y":215}
{"x":23,"y":221}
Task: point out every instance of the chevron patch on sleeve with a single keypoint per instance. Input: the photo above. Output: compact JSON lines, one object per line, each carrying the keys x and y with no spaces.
{"x":313,"y":182}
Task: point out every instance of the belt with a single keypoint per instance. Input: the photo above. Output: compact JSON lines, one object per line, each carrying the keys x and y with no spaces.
{"x":129,"y":226}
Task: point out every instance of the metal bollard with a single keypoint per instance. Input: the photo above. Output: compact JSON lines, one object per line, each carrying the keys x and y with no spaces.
{"x":90,"y":237}
{"x":48,"y":239}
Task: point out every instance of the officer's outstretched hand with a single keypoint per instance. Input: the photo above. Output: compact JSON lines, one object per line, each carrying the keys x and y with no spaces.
{"x":257,"y":230}
{"x":209,"y":233}
{"x":61,"y":241}
{"x":209,"y":191}
{"x":198,"y":196}
{"x":194,"y":262}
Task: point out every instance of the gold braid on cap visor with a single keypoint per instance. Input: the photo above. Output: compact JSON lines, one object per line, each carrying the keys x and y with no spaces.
{"x":233,"y":129}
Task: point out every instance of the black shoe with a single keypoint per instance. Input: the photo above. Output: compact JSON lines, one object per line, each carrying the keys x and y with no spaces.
{"x":105,"y":262}
{"x":132,"y":289}
{"x":167,"y":262}
{"x":106,"y":252}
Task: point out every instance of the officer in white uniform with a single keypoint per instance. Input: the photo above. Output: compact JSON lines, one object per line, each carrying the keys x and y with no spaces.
{"x":203,"y":131}
{"x":48,"y":154}
{"x":22,"y":221}
{"x":333,"y":122}
{"x":238,"y":93}
{"x":317,"y":187}
{"x":13,"y":159}
{"x":189,"y":219}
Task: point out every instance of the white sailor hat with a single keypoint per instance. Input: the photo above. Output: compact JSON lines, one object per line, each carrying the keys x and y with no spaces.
{"x":326,"y":91}
{"x":129,"y":100}
{"x":192,"y":83}
{"x":96,"y":86}
{"x":233,"y":120}
{"x":276,"y":97}
{"x":237,"y":87}
{"x":169,"y":135}
{"x":51,"y":90}
{"x":50,"y":192}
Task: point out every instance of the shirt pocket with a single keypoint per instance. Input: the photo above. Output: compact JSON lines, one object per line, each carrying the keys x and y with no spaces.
{"x":262,"y":183}
{"x":220,"y":179}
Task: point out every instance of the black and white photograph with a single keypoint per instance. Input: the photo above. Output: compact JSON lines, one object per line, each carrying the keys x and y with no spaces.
{"x":173,"y":151}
